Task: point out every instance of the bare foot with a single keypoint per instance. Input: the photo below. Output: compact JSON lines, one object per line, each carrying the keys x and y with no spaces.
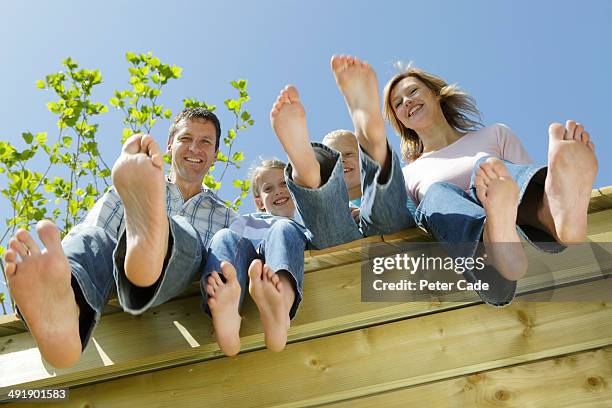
{"x":572,"y":167}
{"x":138,"y":176}
{"x":224,"y":302}
{"x":499,"y":195}
{"x":288,"y":120}
{"x":267,"y":291}
{"x":357,"y":82}
{"x":39,"y":283}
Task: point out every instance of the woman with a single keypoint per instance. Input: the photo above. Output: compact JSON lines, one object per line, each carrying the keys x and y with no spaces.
{"x":473,"y":182}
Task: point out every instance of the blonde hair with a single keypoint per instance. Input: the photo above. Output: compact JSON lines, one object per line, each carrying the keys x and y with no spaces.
{"x":255,"y":173}
{"x":457,"y":106}
{"x":338,"y":134}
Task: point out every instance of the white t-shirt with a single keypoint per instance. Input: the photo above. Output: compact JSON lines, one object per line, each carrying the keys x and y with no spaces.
{"x":455,"y":162}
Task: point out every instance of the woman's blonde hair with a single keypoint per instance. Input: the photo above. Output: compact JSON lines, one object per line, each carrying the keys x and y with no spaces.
{"x":458,"y":107}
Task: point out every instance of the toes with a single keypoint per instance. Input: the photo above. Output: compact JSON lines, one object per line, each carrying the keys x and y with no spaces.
{"x":228,"y":271}
{"x":49,"y":235}
{"x":578,"y":132}
{"x":217,"y":279}
{"x":585,"y":137}
{"x":556,"y":131}
{"x":210,"y":291}
{"x":480,"y":183}
{"x":292,"y":94}
{"x":10,"y":256}
{"x":151,"y":148}
{"x":570,"y":128}
{"x":212,"y":282}
{"x":26,"y":239}
{"x":275,"y":279}
{"x":255,"y":270}
{"x":10,"y":269}
{"x":132,"y":144}
{"x":487,"y":169}
{"x":18,"y":247}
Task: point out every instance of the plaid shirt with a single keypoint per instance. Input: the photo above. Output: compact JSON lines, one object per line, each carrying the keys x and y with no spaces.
{"x":205,"y":211}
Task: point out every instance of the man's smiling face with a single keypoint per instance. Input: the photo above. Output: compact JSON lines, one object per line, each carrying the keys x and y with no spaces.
{"x":192,"y":150}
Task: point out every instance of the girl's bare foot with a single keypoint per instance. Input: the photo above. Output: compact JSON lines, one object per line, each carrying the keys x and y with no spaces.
{"x":224,"y":302}
{"x":268,"y":292}
{"x":39,"y":282}
{"x":357,"y":82}
{"x":288,"y":120}
{"x":138,"y":176}
{"x":499,"y":195}
{"x":572,"y":167}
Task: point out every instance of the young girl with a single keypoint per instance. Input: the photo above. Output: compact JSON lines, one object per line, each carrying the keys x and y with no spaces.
{"x":474,"y":182}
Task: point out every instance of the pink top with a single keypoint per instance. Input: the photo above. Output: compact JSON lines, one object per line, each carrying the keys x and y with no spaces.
{"x":454,"y":163}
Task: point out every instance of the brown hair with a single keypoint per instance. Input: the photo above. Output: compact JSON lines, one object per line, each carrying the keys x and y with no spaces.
{"x":197,"y":113}
{"x":458,"y":107}
{"x":256,"y":171}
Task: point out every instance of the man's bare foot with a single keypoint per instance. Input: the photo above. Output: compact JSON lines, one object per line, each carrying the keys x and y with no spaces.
{"x":267,"y":291}
{"x":224,"y":302}
{"x":499,"y":195}
{"x":357,"y":82}
{"x":138,"y":176}
{"x":39,"y":283}
{"x":288,"y":120}
{"x":572,"y":167}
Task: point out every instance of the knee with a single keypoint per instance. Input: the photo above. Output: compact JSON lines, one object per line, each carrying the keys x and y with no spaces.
{"x":225,"y":235}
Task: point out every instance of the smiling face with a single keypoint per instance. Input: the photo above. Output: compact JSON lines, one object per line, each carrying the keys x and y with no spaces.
{"x":346,"y":144}
{"x":192,"y":150}
{"x":274,"y":196}
{"x":415,"y":105}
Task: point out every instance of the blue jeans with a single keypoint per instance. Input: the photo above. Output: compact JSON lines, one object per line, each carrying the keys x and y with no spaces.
{"x":453,"y":216}
{"x":282,"y":249}
{"x":96,"y":261}
{"x":325,"y":210}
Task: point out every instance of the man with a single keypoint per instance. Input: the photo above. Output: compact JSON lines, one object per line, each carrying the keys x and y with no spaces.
{"x":146,"y":235}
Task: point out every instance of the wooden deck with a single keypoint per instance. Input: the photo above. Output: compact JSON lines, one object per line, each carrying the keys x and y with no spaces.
{"x":344,"y":352}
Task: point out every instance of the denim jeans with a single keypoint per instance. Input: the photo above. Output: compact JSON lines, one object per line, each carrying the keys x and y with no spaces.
{"x":96,"y":261}
{"x":282,"y":249}
{"x":453,"y":216}
{"x":325,"y":210}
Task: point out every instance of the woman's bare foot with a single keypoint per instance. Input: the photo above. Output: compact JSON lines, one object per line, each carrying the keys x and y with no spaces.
{"x":499,"y":195}
{"x":138,"y":176}
{"x":224,"y":303}
{"x":357,"y":82}
{"x":288,"y":120}
{"x":268,"y":292}
{"x":572,"y":167}
{"x":39,"y":283}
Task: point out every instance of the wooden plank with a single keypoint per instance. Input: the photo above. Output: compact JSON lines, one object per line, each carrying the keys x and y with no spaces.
{"x":153,"y":340}
{"x":579,"y":380}
{"x":368,"y":361}
{"x":332,"y":304}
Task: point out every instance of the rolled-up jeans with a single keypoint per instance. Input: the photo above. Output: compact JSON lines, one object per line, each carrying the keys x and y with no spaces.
{"x":453,"y":216}
{"x":325,"y":210}
{"x":282,"y":249}
{"x":96,"y":261}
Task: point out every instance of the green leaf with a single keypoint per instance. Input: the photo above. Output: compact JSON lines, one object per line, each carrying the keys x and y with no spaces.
{"x":114,"y":101}
{"x":167,"y":113}
{"x":131,"y":57}
{"x":40,"y":84}
{"x":28,"y":137}
{"x":176,"y":71}
{"x":41,"y":138}
{"x":238,"y":157}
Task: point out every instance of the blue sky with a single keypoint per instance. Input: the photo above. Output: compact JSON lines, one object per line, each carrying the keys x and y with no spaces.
{"x":527,"y":63}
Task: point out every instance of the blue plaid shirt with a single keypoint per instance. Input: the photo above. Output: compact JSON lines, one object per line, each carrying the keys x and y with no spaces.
{"x":205,"y":212}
